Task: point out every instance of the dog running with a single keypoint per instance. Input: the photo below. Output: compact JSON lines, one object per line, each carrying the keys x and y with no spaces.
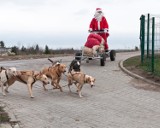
{"x":76,"y":76}
{"x":79,"y":79}
{"x":29,"y":78}
{"x":54,"y":72}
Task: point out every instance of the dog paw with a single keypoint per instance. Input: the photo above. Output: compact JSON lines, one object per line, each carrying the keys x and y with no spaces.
{"x":6,"y":91}
{"x":80,"y":96}
{"x":45,"y":89}
{"x":32,"y":97}
{"x":55,"y":88}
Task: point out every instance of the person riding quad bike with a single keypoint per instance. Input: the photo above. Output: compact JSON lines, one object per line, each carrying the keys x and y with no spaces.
{"x":99,"y":23}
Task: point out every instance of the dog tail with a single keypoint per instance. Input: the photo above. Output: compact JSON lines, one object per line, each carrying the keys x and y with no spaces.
{"x":55,"y":62}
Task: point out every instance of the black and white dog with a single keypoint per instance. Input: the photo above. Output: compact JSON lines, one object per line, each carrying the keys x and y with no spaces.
{"x":74,"y":66}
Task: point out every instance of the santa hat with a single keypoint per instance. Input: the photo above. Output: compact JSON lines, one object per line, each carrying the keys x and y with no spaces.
{"x":98,"y":9}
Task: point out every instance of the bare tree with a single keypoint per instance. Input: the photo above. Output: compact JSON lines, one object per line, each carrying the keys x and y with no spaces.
{"x":2,"y":45}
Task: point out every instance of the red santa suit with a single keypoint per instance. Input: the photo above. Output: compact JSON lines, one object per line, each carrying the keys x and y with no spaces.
{"x":99,"y":22}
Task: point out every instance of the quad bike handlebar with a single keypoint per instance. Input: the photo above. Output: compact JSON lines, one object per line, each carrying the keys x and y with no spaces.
{"x":97,"y":31}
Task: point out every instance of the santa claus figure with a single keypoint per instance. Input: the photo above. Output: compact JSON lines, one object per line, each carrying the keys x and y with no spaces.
{"x":99,"y":22}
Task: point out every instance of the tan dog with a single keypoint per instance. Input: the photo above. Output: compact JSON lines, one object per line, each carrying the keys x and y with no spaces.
{"x":79,"y":79}
{"x":29,"y":78}
{"x":6,"y":74}
{"x":54,"y":72}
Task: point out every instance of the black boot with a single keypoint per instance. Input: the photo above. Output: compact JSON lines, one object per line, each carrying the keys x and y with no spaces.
{"x":106,"y":50}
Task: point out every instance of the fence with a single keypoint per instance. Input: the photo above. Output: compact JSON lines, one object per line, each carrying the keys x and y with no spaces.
{"x":150,"y":43}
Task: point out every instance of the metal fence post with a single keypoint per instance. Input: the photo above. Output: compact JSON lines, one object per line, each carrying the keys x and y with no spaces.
{"x":148,"y":25}
{"x":142,"y":37}
{"x":153,"y":33}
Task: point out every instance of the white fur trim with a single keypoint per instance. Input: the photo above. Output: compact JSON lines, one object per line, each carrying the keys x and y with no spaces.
{"x":102,"y":42}
{"x":99,"y":25}
{"x":90,"y":29}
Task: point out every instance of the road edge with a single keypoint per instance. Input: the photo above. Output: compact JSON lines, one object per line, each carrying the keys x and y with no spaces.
{"x":135,"y":75}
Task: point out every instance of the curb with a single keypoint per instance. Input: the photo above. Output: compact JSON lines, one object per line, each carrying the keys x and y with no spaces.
{"x":135,"y":75}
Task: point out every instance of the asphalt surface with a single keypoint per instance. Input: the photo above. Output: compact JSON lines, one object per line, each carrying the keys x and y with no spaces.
{"x":117,"y":101}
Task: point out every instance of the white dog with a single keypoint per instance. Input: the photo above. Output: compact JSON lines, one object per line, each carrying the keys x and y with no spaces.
{"x":6,"y":74}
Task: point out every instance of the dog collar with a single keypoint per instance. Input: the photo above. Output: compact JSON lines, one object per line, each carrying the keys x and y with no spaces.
{"x":35,"y":78}
{"x":34,"y":81}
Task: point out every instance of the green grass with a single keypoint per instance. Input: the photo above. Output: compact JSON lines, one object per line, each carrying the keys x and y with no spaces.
{"x":146,"y":66}
{"x":132,"y":62}
{"x":3,"y":115}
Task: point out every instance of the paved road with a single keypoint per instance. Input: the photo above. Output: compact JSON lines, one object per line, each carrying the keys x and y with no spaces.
{"x":117,"y":100}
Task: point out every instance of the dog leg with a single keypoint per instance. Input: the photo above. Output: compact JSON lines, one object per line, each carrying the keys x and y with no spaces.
{"x":4,"y":94}
{"x":30,"y":90}
{"x":6,"y":89}
{"x":80,"y":94}
{"x":79,"y":86}
{"x":69,"y":88}
{"x":59,"y":87}
{"x":2,"y":86}
{"x":44,"y":87}
{"x":70,"y":82}
{"x":56,"y":85}
{"x":53,"y":84}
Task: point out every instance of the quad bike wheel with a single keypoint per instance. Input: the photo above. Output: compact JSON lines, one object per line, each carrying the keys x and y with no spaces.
{"x":112,"y":55}
{"x":102,"y":60}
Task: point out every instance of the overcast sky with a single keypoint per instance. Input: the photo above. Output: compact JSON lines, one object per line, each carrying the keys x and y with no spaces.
{"x":64,"y":23}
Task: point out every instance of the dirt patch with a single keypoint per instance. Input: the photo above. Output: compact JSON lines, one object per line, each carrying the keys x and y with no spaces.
{"x":139,"y":84}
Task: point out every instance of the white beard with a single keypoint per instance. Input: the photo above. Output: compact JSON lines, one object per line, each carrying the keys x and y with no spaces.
{"x":98,"y":16}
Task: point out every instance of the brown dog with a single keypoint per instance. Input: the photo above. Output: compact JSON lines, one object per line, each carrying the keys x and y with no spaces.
{"x":29,"y":78}
{"x":79,"y":79}
{"x":54,"y":72}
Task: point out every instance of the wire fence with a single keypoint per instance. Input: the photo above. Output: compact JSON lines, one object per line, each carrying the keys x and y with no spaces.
{"x":150,"y":42}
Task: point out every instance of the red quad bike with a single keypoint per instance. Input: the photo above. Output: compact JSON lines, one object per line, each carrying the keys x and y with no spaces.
{"x":81,"y":56}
